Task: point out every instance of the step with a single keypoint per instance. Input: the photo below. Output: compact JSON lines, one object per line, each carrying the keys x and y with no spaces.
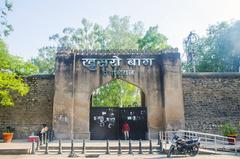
{"x":15,"y":148}
{"x":15,"y":151}
{"x":97,"y":152}
{"x":95,"y":147}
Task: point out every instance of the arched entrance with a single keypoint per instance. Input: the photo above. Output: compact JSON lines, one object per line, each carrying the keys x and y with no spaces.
{"x":79,"y":73}
{"x":113,"y":104}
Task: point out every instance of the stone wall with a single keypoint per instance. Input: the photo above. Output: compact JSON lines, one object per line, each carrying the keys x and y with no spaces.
{"x":211,"y":99}
{"x":78,"y":74}
{"x":32,"y":110}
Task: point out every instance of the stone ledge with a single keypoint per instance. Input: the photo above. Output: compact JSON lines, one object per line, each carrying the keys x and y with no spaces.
{"x":15,"y":148}
{"x":211,"y":75}
{"x":42,"y":76}
{"x":65,"y":52}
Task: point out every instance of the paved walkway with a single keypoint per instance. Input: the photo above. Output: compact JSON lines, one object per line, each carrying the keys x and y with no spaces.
{"x":117,"y":157}
{"x":22,"y":143}
{"x":15,"y":148}
{"x":15,"y":145}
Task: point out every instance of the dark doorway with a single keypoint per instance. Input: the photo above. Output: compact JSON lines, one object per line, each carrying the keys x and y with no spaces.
{"x":113,"y":104}
{"x":106,"y":123}
{"x":137,"y":120}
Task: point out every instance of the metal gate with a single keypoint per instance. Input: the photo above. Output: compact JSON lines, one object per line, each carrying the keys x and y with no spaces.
{"x":106,"y":123}
{"x":137,"y":120}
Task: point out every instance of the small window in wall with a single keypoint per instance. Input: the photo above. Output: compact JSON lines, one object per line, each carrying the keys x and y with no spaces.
{"x":117,"y":93}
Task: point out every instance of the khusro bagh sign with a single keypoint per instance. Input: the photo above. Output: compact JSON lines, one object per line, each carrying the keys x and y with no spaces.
{"x":79,"y":74}
{"x":115,"y":62}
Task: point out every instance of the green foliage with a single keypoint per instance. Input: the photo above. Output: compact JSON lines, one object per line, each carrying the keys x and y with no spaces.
{"x":9,"y":83}
{"x":153,"y":40}
{"x":117,"y":93}
{"x":5,"y":28}
{"x":14,"y":64}
{"x":120,"y":34}
{"x":87,"y":37}
{"x":228,"y":129}
{"x":10,"y":129}
{"x":45,"y":60}
{"x":219,"y":51}
{"x":11,"y":67}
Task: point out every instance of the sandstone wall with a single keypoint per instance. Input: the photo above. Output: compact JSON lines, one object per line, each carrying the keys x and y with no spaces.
{"x":31,"y":110}
{"x":210,"y":99}
{"x":74,"y":84}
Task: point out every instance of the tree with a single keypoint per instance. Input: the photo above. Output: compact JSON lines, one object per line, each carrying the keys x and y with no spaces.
{"x":11,"y":68}
{"x":153,"y":40}
{"x":5,"y":7}
{"x":86,"y":37}
{"x":120,"y":34}
{"x":45,"y":60}
{"x":219,"y":51}
{"x":117,"y":93}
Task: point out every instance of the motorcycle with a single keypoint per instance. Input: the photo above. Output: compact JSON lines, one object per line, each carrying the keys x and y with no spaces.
{"x":184,"y":145}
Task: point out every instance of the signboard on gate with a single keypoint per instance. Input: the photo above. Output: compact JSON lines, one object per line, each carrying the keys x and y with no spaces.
{"x":115,"y":62}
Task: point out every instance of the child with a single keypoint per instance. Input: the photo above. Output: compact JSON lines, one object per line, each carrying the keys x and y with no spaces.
{"x":126,"y":129}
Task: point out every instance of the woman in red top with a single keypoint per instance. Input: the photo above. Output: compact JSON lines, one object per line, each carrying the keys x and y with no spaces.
{"x":126,"y":129}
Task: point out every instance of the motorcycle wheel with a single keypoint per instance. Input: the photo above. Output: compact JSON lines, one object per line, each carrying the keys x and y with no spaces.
{"x":170,"y":151}
{"x":194,"y":150}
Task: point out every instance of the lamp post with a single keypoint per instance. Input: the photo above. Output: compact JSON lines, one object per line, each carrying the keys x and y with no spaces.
{"x":189,"y":47}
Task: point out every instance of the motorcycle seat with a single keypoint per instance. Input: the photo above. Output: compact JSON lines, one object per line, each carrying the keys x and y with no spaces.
{"x":192,"y":140}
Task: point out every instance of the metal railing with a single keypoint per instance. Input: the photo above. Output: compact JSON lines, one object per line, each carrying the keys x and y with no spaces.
{"x":207,"y":141}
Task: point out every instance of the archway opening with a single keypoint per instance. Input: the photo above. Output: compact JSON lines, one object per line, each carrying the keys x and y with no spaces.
{"x":118,"y":93}
{"x":114,"y":104}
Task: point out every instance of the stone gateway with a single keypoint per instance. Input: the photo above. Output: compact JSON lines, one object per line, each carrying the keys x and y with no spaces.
{"x":78,"y":74}
{"x":63,"y":100}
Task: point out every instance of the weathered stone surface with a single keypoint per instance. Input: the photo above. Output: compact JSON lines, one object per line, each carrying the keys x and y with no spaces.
{"x":32,"y":110}
{"x":211,"y":99}
{"x":74,"y":85}
{"x":173,"y":94}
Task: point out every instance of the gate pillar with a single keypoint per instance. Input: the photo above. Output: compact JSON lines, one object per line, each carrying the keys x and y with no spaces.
{"x":173,"y":92}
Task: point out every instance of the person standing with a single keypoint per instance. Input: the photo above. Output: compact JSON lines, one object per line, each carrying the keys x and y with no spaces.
{"x":44,"y":128}
{"x":126,"y":129}
{"x":43,"y":132}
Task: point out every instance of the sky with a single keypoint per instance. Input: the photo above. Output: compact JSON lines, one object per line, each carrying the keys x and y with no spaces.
{"x":35,"y":20}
